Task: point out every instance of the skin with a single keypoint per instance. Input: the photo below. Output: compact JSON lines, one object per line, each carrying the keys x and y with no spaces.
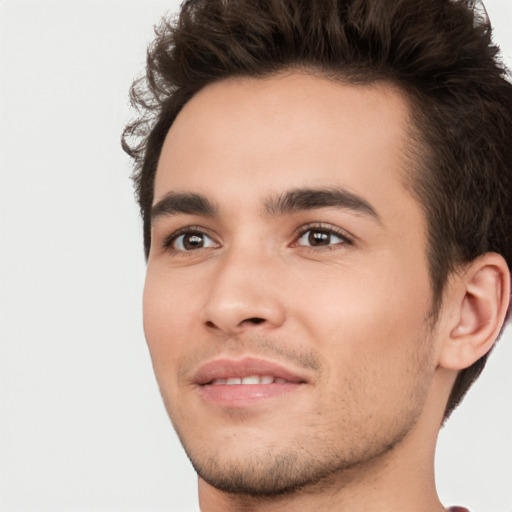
{"x":351,"y":314}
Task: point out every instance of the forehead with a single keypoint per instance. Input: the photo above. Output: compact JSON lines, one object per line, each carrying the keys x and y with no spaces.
{"x":239,"y":140}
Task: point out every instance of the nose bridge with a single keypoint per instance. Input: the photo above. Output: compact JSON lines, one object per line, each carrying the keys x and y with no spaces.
{"x":244,"y":293}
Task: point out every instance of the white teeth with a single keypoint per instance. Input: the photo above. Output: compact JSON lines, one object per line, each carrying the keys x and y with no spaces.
{"x":251,"y":379}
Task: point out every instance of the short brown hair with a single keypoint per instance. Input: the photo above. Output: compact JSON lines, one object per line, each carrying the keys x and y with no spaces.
{"x":439,"y":52}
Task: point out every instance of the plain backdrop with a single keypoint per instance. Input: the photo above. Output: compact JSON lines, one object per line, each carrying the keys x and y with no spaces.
{"x":82,"y":424}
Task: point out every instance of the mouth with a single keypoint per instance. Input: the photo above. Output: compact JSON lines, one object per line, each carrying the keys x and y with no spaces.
{"x":245,"y":382}
{"x":251,"y":380}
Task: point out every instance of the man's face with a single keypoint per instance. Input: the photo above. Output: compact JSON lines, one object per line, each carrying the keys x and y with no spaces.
{"x":286,"y":251}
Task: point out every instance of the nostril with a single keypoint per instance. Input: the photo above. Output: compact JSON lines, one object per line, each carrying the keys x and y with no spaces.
{"x":255,"y":320}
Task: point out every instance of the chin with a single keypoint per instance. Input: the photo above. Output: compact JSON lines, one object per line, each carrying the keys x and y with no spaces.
{"x":267,"y":476}
{"x":270,"y":473}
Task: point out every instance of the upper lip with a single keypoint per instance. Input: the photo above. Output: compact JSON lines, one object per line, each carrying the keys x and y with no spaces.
{"x":246,"y":367}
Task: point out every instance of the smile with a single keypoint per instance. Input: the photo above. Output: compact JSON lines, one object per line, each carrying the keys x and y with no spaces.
{"x":253,"y":379}
{"x":240,"y":383}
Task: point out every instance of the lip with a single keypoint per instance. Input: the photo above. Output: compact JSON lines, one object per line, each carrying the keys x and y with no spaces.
{"x":240,"y":368}
{"x":245,"y":395}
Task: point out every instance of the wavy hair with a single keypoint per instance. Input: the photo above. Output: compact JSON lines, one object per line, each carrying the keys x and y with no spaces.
{"x":440,"y":53}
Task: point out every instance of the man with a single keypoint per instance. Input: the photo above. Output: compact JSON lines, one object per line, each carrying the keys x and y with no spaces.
{"x":325,"y":188}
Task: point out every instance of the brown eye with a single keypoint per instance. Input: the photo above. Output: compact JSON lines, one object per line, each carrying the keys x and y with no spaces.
{"x":316,"y":238}
{"x":192,"y":241}
{"x":320,"y":238}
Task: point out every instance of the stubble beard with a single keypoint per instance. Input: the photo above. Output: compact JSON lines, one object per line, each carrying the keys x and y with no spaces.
{"x":277,"y":474}
{"x":312,"y":460}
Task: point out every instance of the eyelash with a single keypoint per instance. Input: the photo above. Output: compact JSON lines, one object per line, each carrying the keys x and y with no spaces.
{"x":326,"y":228}
{"x":187,"y":230}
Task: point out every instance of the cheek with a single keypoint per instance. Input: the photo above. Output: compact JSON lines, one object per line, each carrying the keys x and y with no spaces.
{"x":371,"y":313}
{"x":372,"y":336}
{"x":169,"y":307}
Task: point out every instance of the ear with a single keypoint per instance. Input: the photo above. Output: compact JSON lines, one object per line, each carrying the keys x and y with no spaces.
{"x":478,"y":301}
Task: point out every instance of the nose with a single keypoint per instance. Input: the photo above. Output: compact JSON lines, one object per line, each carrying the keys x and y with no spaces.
{"x":244,"y":295}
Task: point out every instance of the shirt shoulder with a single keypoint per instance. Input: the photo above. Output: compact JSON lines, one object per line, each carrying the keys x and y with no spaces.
{"x":457,"y":509}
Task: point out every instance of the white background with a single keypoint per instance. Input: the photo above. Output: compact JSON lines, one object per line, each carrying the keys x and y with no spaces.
{"x":82,"y":425}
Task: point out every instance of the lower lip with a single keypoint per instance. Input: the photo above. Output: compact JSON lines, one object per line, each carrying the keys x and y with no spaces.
{"x":241,"y":395}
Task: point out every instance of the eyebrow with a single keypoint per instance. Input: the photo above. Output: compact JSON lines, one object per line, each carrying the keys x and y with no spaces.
{"x":292,"y":201}
{"x":187,"y":203}
{"x":301,"y":199}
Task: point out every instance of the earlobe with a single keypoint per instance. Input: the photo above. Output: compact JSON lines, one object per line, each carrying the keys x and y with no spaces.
{"x":480,"y":297}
